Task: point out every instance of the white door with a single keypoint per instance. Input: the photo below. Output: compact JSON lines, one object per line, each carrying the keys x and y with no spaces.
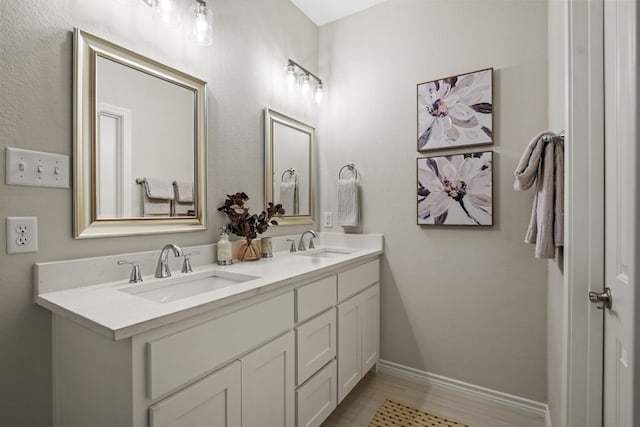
{"x":621,"y":219}
{"x":114,"y":163}
{"x":268,"y":384}
{"x":211,"y":402}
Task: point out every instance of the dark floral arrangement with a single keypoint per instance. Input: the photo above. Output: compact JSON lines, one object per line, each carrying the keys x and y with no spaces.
{"x":242,"y":223}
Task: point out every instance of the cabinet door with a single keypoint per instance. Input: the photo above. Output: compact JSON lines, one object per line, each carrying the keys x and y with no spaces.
{"x":370,"y":310}
{"x":268,"y":384}
{"x":349,"y":346}
{"x":211,"y":402}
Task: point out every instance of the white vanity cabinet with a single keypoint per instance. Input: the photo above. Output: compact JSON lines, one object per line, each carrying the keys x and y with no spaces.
{"x":358,"y":325}
{"x":284,"y":357}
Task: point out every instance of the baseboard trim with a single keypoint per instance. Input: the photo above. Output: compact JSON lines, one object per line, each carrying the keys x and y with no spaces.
{"x":521,"y":403}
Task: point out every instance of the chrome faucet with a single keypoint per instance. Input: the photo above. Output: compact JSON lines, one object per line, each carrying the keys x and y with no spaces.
{"x":162,"y":269}
{"x":301,"y":246}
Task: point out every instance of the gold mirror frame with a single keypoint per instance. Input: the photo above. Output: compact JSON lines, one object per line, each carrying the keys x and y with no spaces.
{"x":271,"y":117}
{"x":86,"y":224}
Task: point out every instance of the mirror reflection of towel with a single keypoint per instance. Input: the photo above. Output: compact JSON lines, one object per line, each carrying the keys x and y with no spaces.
{"x":184,"y":198}
{"x":289,"y":197}
{"x":157,"y":197}
{"x":348,"y":202}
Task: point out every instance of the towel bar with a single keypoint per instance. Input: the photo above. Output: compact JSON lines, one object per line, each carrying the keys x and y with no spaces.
{"x":548,"y":138}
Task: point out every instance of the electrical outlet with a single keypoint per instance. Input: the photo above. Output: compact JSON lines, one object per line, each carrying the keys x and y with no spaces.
{"x":328,"y":219}
{"x":22,"y":234}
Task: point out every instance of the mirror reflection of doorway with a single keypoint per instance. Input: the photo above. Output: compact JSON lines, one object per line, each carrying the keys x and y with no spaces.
{"x":113,"y":171}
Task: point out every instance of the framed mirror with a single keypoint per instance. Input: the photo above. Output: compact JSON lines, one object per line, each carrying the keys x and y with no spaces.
{"x":139,"y":143}
{"x":289,"y":167}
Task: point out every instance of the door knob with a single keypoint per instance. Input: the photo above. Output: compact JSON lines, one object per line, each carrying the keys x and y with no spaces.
{"x":602,"y":299}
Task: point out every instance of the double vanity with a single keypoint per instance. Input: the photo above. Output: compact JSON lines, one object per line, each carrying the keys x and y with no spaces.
{"x":272,"y":343}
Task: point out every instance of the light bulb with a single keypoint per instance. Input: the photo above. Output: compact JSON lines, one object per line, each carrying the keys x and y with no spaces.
{"x":167,"y":12}
{"x":318,"y":94}
{"x":305,"y":85}
{"x":201,"y":32}
{"x":291,"y":76}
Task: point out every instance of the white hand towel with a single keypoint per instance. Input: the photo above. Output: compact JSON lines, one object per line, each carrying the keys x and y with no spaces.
{"x":348,"y":202}
{"x":543,"y":163}
{"x":289,"y":197}
{"x":158,"y":188}
{"x":183,"y":191}
{"x":156,"y":206}
{"x":184,"y":205}
{"x":157,"y":197}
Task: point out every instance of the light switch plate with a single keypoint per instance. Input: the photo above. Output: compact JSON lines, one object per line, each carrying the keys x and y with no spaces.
{"x":36,"y":168}
{"x":22,"y":234}
{"x":328,"y":220}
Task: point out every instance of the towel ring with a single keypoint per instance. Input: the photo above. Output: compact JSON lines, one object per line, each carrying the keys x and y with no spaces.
{"x":141,"y":180}
{"x":349,"y":166}
{"x":291,"y":171}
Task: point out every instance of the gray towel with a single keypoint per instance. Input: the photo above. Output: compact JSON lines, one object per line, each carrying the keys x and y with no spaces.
{"x":183,"y":205}
{"x":157,"y":197}
{"x":543,"y":163}
{"x":348,"y":202}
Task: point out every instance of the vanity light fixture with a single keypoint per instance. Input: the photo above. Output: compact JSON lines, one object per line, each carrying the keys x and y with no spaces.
{"x":292,"y":77}
{"x":305,"y":79}
{"x":305,"y":84}
{"x":168,"y":12}
{"x":201,"y":24}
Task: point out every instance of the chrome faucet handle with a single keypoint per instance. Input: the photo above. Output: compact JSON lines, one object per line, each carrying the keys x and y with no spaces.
{"x":186,"y":264}
{"x":292,"y":248}
{"x":135,"y":276}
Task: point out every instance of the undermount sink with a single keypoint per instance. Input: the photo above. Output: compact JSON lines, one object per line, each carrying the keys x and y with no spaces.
{"x":326,"y":252}
{"x":176,"y":288}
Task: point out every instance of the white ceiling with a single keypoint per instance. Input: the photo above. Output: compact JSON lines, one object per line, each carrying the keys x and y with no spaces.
{"x":324,"y":11}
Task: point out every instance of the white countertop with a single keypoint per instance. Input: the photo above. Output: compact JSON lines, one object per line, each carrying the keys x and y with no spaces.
{"x":105,"y":309}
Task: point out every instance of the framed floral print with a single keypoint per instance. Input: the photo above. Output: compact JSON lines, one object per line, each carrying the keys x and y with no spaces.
{"x":456,"y":189}
{"x":456,"y":111}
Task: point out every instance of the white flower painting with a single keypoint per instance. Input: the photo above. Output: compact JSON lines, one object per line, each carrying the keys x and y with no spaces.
{"x":456,"y":111}
{"x":456,"y":189}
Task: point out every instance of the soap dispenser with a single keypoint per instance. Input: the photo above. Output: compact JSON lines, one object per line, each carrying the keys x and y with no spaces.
{"x":224,"y":248}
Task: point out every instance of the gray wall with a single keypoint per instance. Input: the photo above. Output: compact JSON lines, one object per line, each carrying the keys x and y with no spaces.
{"x":555,"y":294}
{"x":469,"y":304}
{"x":245,"y":70}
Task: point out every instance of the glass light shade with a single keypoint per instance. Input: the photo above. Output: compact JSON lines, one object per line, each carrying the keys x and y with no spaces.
{"x":305,"y":85}
{"x":291,"y":76}
{"x":200,"y":25}
{"x":167,"y":12}
{"x":318,"y":94}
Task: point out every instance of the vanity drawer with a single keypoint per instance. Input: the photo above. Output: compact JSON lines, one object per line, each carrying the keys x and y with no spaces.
{"x":355,"y":280}
{"x":316,"y":399}
{"x":315,"y":297}
{"x":183,"y":356}
{"x":315,"y":344}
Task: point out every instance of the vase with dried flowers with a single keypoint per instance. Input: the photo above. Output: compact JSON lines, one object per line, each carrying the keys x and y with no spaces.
{"x":244,"y":224}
